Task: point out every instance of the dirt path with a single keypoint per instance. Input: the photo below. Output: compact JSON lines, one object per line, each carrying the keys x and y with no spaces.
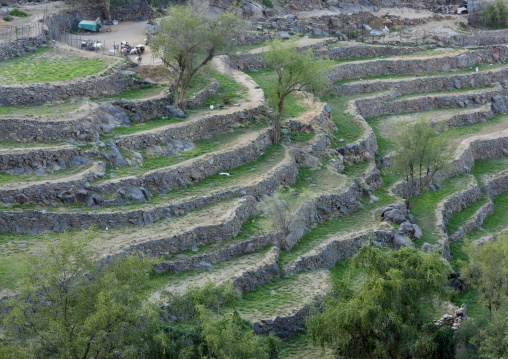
{"x":10,"y":151}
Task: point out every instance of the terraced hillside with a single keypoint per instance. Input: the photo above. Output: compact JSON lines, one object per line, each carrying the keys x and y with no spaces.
{"x":196,"y":188}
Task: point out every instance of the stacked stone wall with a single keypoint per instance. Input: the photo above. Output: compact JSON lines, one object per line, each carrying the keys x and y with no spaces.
{"x":19,"y":47}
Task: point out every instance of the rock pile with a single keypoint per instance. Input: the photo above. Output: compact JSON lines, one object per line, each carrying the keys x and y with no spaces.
{"x":396,"y":214}
{"x":453,"y":321}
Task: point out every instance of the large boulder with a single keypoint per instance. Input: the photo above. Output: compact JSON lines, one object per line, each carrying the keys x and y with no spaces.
{"x":401,"y":241}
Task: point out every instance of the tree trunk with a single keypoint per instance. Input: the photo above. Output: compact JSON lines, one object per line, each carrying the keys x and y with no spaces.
{"x":276,"y":130}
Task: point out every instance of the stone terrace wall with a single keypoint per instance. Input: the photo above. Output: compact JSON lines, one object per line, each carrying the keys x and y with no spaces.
{"x":250,"y":279}
{"x":193,"y":130}
{"x":14,"y":95}
{"x":237,"y":249}
{"x":426,"y":84}
{"x":196,"y":236}
{"x":417,"y":66}
{"x":340,"y":248}
{"x":383,"y":105}
{"x":497,"y":184}
{"x":32,"y":160}
{"x":199,"y":98}
{"x":354,"y":52}
{"x":194,"y":171}
{"x":474,"y":222}
{"x":283,"y":326}
{"x":36,"y":222}
{"x":17,"y":48}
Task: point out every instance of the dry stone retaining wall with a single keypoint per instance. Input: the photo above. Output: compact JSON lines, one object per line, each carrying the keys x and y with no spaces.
{"x":36,"y":222}
{"x":417,"y":66}
{"x":474,"y":222}
{"x":250,"y":279}
{"x":19,"y":163}
{"x":15,"y":95}
{"x":192,"y":131}
{"x":425,"y":84}
{"x":17,"y":48}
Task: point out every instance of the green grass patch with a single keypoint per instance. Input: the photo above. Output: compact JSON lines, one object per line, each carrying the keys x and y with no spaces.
{"x":488,"y":167}
{"x":470,"y":297}
{"x":35,"y":111}
{"x":425,"y":208}
{"x":267,"y":80}
{"x":356,"y":170}
{"x":19,"y":13}
{"x":302,"y":137}
{"x":229,"y":88}
{"x":496,"y":222}
{"x":347,"y":128}
{"x":459,"y":218}
{"x":457,"y":254}
{"x":201,"y":147}
{"x":41,"y":66}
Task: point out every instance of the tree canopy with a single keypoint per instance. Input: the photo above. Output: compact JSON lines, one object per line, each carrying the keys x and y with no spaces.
{"x":296,"y":71}
{"x":189,"y":39}
{"x":419,"y":157}
{"x":68,"y":306}
{"x":381,"y":313}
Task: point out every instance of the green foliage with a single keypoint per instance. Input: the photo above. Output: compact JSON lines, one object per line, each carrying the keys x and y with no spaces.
{"x":268,"y":3}
{"x":19,"y":13}
{"x":296,"y":71}
{"x":420,"y":155}
{"x":8,"y":18}
{"x":189,"y":40}
{"x":232,"y":337}
{"x":381,"y":316}
{"x":441,"y":344}
{"x":70,"y":307}
{"x":495,"y":13}
{"x":487,"y":269}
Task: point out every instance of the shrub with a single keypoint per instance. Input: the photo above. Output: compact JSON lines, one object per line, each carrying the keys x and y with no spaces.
{"x":7,"y":18}
{"x":19,"y":13}
{"x":268,"y":3}
{"x":5,"y":4}
{"x":495,"y":13}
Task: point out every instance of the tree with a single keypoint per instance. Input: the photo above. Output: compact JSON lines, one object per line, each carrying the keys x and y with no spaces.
{"x":380,"y":313}
{"x":296,"y":71}
{"x":487,"y":271}
{"x":188,"y":40}
{"x":69,"y":306}
{"x":420,"y":156}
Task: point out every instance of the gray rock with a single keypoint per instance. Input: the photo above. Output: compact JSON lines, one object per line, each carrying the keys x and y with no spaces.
{"x":283,"y":35}
{"x":194,"y":248}
{"x":249,"y":248}
{"x":418,"y":231}
{"x":170,"y":152}
{"x":134,"y":194}
{"x":76,"y":161}
{"x":94,"y":201}
{"x":40,"y":171}
{"x":432,"y":188}
{"x":21,"y":198}
{"x":180,"y":145}
{"x":323,"y":210}
{"x":426,"y":248}
{"x":401,"y":241}
{"x":81,"y":195}
{"x":411,"y":218}
{"x":399,"y":219}
{"x":147,"y":218}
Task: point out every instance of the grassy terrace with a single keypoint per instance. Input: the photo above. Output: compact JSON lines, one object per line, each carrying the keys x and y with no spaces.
{"x":32,"y":178}
{"x":459,"y":218}
{"x":347,"y":128}
{"x":482,"y":169}
{"x":425,"y":208}
{"x":495,"y":222}
{"x":201,"y":147}
{"x":266,"y":79}
{"x":55,"y":109}
{"x":342,"y":225}
{"x":481,"y":68}
{"x":48,"y":65}
{"x":243,"y":175}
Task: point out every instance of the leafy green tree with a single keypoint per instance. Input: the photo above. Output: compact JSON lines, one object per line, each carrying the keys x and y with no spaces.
{"x":487,"y":270}
{"x":188,"y":40}
{"x":420,"y":156}
{"x":232,"y":337}
{"x":495,"y":13}
{"x":381,"y":313}
{"x":296,"y":71}
{"x":68,"y":306}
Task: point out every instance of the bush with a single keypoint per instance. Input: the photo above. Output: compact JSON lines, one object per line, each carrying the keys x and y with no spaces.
{"x":7,"y":18}
{"x":19,"y":13}
{"x":268,"y":3}
{"x":495,"y":13}
{"x":5,"y":4}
